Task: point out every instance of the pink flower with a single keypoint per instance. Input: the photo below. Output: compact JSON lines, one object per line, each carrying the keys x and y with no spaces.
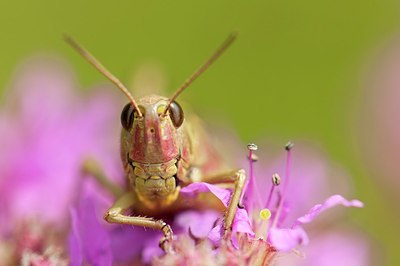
{"x":47,"y":130}
{"x":276,"y":234}
{"x":306,"y":179}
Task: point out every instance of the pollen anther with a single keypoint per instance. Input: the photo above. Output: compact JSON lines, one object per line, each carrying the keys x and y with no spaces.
{"x":276,"y":179}
{"x":252,"y":147}
{"x":265,"y":214}
{"x":289,"y":146}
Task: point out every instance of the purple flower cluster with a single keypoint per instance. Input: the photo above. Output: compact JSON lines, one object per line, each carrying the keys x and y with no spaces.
{"x":51,"y":214}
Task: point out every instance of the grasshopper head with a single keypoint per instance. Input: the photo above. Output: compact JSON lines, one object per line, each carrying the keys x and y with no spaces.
{"x":152,"y":137}
{"x":151,"y":126}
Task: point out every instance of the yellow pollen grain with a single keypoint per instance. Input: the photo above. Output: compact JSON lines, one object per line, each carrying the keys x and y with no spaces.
{"x":265,"y":214}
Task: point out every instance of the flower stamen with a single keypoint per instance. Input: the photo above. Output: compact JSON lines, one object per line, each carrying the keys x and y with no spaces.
{"x":276,"y":180}
{"x":251,"y":185}
{"x":288,"y":148}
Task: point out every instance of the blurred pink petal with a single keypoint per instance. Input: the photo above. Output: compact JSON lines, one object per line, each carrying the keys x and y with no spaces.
{"x":379,"y":129}
{"x":339,"y":249}
{"x":47,"y":130}
{"x":287,"y":239}
{"x":336,"y":247}
{"x":199,"y":223}
{"x":88,"y":241}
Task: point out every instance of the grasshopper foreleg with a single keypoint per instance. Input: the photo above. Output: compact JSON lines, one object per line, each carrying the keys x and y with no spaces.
{"x":237,"y":178}
{"x":116,"y":215}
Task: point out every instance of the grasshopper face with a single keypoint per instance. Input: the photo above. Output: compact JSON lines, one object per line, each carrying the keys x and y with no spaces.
{"x":152,"y":147}
{"x":153,"y":137}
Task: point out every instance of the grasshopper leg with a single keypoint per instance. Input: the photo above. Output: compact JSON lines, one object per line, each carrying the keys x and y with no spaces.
{"x":238,"y":178}
{"x":91,"y":167}
{"x":116,"y":215}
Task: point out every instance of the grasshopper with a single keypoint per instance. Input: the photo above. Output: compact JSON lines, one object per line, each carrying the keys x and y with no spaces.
{"x":163,"y":151}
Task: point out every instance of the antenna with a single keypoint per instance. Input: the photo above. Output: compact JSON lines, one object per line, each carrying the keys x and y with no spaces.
{"x":231,"y":38}
{"x":92,"y":60}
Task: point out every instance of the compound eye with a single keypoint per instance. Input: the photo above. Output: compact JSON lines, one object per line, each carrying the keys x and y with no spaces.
{"x":176,"y":114}
{"x":127,"y":116}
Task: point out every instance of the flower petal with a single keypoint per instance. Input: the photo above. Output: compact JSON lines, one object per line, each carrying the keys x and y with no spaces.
{"x":193,"y":189}
{"x":241,"y":223}
{"x":92,"y":240}
{"x":215,"y":234}
{"x":331,"y":248}
{"x":75,"y":241}
{"x":287,"y":239}
{"x":200,"y":223}
{"x":329,"y":203}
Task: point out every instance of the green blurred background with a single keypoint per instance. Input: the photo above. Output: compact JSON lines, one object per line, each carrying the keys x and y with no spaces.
{"x":293,"y":73}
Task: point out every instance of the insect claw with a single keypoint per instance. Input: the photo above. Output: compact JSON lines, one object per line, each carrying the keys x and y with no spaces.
{"x":110,"y":215}
{"x":227,"y":233}
{"x":240,"y":205}
{"x":107,"y":217}
{"x":166,"y":241}
{"x":166,"y":245}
